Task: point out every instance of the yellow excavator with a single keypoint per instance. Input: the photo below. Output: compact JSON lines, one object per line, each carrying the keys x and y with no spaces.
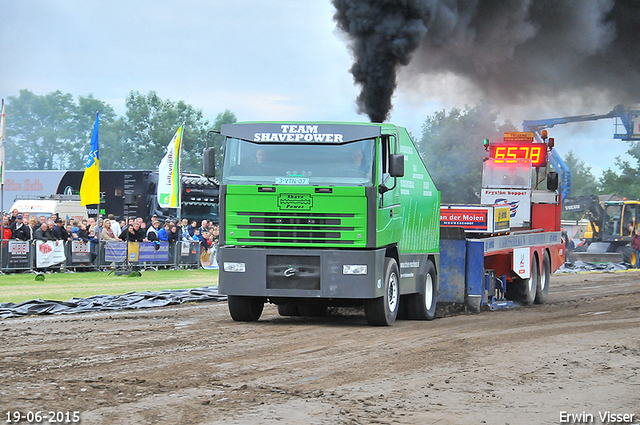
{"x":611,"y":224}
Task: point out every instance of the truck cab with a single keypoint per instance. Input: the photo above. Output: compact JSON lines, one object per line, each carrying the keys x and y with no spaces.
{"x":320,"y":214}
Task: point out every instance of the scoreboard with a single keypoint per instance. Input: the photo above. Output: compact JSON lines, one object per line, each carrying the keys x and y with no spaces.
{"x":520,"y":145}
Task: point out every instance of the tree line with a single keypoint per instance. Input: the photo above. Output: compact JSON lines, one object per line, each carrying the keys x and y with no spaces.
{"x":52,"y":131}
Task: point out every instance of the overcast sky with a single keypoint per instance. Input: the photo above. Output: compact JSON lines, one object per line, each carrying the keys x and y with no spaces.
{"x":263,"y":60}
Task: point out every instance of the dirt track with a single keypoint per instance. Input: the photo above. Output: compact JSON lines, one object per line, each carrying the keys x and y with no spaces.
{"x":192,"y":364}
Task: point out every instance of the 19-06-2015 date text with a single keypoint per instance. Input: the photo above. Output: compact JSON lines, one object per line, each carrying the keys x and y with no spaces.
{"x":46,"y":416}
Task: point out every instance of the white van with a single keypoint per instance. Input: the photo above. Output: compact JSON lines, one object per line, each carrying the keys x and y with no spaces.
{"x":65,"y":206}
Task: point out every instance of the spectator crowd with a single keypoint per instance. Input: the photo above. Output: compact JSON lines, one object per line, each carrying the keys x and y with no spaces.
{"x":23,"y":227}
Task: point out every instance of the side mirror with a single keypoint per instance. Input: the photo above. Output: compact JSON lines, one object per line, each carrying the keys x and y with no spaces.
{"x":552,"y":180}
{"x":209,"y":162}
{"x":396,"y":165}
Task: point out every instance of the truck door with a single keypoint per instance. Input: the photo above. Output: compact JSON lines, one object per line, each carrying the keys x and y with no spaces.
{"x":389,"y":208}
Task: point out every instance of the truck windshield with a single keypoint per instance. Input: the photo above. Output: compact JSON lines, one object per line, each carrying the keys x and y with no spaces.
{"x":349,"y":164}
{"x":500,"y":173}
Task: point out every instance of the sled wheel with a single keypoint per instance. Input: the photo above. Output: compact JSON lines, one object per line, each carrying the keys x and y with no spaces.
{"x":542,"y":290}
{"x":524,"y":290}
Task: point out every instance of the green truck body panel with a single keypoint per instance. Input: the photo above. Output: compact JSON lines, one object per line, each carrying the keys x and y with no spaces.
{"x":303,"y":213}
{"x":420,"y":200}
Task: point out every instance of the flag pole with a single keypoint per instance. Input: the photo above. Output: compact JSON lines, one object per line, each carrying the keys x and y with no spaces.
{"x":98,"y":227}
{"x":3,"y":126}
{"x":3,"y":131}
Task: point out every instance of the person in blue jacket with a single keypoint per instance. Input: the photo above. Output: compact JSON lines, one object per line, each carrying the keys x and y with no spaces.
{"x":163,"y":234}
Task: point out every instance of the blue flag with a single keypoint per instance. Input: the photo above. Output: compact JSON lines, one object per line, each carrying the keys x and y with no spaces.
{"x":90,"y":187}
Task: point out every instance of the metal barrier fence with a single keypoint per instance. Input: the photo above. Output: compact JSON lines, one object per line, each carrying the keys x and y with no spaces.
{"x":21,"y":256}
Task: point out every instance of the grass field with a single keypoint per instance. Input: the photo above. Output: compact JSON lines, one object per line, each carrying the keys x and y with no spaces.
{"x":16,"y":288}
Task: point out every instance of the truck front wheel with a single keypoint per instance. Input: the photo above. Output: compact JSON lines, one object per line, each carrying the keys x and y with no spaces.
{"x":422,"y":306}
{"x":383,"y":311}
{"x":245,"y":309}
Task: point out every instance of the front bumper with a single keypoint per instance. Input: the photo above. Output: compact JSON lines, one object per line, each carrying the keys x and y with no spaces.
{"x":301,"y":273}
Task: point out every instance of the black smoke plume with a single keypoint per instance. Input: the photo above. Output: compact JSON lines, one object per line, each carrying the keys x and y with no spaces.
{"x":510,"y":50}
{"x":383,"y":34}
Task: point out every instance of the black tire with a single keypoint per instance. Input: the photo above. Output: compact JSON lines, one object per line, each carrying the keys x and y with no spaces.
{"x":628,"y":255}
{"x":542,"y":291}
{"x":422,"y":306}
{"x":288,"y":310}
{"x":524,"y":290}
{"x":382,"y":311}
{"x":245,"y":309}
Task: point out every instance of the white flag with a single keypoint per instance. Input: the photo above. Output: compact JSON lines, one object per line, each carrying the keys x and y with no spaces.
{"x":169,"y":174}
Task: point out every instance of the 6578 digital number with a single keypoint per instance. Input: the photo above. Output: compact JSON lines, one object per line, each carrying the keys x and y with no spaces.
{"x":37,"y":417}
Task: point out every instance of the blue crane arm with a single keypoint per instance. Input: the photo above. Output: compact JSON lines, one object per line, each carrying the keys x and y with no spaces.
{"x":626,"y":118}
{"x":538,"y":125}
{"x":563,"y":172}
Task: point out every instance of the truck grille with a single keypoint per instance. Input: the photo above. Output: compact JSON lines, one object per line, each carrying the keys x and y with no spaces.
{"x":296,"y":228}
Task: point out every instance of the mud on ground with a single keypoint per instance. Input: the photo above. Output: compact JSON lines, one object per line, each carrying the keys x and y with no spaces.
{"x":578,"y":353}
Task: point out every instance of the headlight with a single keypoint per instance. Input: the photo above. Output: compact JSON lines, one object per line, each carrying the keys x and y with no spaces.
{"x":234,"y":267}
{"x":354,"y":269}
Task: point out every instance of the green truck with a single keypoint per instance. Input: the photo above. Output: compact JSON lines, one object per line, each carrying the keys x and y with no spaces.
{"x":319,"y":214}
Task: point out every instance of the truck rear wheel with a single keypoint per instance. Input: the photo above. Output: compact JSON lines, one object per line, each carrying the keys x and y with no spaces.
{"x":245,"y":309}
{"x":543,"y":282}
{"x":382,"y":311}
{"x":422,"y":306}
{"x":524,"y":290}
